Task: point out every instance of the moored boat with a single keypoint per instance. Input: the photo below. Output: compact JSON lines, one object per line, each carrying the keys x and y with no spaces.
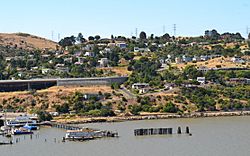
{"x":83,"y":134}
{"x":20,"y":121}
{"x":21,"y":131}
{"x":30,"y":127}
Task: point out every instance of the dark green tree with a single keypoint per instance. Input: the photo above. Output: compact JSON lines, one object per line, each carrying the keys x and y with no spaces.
{"x":97,"y":37}
{"x":143,"y":35}
{"x":91,"y":38}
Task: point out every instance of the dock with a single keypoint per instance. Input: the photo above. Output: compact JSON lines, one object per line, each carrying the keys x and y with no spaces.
{"x":78,"y":129}
{"x":65,"y":126}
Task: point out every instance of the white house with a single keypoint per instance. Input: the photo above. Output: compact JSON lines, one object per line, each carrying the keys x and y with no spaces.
{"x":89,"y":54}
{"x":237,"y":59}
{"x":45,"y":70}
{"x":121,"y":45}
{"x":178,"y":60}
{"x":141,"y":87}
{"x":186,"y":58}
{"x":201,"y":80}
{"x":204,"y":58}
{"x":103,"y":62}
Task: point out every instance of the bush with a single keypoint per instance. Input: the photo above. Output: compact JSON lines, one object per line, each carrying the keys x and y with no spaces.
{"x":170,"y":108}
{"x":124,"y":99}
{"x":135,"y":109}
{"x":107,"y":95}
{"x":101,"y":112}
{"x":115,"y":86}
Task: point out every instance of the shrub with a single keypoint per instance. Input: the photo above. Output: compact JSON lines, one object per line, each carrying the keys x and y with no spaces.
{"x":170,"y":108}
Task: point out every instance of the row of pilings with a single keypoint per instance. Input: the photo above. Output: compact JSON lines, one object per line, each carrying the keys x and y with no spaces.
{"x":159,"y":131}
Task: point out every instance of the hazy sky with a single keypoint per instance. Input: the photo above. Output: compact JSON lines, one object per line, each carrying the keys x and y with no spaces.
{"x":121,"y":17}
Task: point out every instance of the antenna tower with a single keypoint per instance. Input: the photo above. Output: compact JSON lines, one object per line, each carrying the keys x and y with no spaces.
{"x":136,"y":31}
{"x":175,"y":29}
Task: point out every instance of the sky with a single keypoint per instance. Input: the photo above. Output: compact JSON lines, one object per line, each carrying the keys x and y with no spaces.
{"x":122,"y":17}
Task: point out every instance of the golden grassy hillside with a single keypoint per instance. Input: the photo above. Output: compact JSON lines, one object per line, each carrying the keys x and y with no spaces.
{"x":52,"y":96}
{"x":26,"y":41}
{"x":213,"y":63}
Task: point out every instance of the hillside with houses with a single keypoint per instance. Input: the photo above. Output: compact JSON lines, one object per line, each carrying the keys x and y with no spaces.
{"x":166,"y":74}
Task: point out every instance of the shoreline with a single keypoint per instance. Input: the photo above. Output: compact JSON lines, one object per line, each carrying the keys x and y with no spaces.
{"x":84,"y":120}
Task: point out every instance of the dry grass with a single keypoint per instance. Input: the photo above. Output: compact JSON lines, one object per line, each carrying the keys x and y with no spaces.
{"x":118,"y":70}
{"x":213,"y":63}
{"x":51,"y":96}
{"x":26,"y":41}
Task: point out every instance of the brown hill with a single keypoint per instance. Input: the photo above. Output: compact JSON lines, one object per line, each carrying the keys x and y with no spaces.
{"x":26,"y":41}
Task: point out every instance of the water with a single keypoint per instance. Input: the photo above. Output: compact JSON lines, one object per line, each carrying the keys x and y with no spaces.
{"x":211,"y":136}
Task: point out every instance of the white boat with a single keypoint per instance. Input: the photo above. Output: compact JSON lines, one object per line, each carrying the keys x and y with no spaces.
{"x":83,"y":134}
{"x":4,"y":128}
{"x":20,"y":121}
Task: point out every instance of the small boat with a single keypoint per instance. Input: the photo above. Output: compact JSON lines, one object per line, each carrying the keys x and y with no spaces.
{"x":5,"y":128}
{"x":21,"y":131}
{"x":6,"y":143}
{"x":30,"y":127}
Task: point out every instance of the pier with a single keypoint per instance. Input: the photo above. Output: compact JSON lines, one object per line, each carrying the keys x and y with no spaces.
{"x":65,"y":126}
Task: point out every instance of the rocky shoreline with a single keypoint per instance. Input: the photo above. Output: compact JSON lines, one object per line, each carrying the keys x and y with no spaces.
{"x":152,"y":117}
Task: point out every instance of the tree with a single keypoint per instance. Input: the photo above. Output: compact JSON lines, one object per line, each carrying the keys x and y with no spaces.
{"x":143,"y":35}
{"x":67,"y":41}
{"x":213,"y":35}
{"x":249,"y":36}
{"x":166,"y":37}
{"x":151,"y":36}
{"x":170,"y":108}
{"x":190,"y":72}
{"x":97,"y":37}
{"x":91,"y":38}
{"x":80,"y":38}
{"x":44,"y":116}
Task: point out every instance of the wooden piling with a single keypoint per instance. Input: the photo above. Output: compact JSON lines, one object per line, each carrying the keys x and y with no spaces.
{"x":153,"y":131}
{"x":187,"y":130}
{"x":179,"y":130}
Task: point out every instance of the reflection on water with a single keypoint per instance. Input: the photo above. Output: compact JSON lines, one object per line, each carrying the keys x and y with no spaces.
{"x":211,"y":136}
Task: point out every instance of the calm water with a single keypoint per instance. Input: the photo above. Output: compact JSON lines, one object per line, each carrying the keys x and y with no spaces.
{"x":228,"y":136}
